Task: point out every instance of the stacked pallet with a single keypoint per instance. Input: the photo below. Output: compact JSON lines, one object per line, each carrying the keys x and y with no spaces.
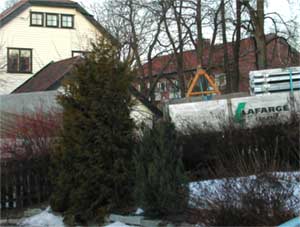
{"x":274,"y":80}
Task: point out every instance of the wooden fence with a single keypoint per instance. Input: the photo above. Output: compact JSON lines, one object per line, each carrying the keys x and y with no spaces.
{"x":24,"y":183}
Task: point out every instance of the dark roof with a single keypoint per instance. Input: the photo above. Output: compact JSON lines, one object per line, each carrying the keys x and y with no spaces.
{"x":19,"y":7}
{"x":48,"y":76}
{"x":51,"y":76}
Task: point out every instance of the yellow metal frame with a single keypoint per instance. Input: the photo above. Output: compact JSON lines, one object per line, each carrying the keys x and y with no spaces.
{"x":211,"y":82}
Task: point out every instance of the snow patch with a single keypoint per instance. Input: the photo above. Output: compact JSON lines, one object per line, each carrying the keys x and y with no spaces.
{"x":117,"y":224}
{"x":209,"y":191}
{"x":139,"y":211}
{"x":43,"y":219}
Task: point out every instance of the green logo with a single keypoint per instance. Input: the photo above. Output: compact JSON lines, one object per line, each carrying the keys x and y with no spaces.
{"x":238,"y":117}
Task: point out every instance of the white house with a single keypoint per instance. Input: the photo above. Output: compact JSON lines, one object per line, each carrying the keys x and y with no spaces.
{"x":34,"y":33}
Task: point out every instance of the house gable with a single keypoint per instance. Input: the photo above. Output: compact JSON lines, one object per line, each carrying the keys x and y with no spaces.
{"x":46,"y":44}
{"x":19,"y":7}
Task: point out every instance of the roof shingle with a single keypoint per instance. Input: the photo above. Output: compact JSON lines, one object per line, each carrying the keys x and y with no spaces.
{"x":48,"y":76}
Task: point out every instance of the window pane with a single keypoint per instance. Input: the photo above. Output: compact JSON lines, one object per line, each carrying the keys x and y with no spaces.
{"x":76,"y":53}
{"x":36,"y":19}
{"x":52,"y":20}
{"x":67,"y":21}
{"x":25,"y":61}
{"x":13,"y":60}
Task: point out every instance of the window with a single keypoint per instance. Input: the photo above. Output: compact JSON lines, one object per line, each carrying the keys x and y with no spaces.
{"x":161,"y":86}
{"x":36,"y":19}
{"x":221,"y":80}
{"x":52,"y":20}
{"x":19,"y":60}
{"x":175,"y":86}
{"x":67,"y":21}
{"x":76,"y":53}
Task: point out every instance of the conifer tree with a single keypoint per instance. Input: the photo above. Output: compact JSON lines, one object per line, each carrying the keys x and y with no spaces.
{"x":93,"y":162}
{"x":161,"y":184}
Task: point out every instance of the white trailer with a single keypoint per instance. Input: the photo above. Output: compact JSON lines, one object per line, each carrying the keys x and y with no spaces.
{"x":275,"y":96}
{"x":244,"y":111}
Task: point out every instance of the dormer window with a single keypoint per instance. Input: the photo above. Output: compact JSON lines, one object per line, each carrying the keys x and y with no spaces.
{"x":19,"y":60}
{"x":67,"y":21}
{"x":52,"y":20}
{"x":36,"y":19}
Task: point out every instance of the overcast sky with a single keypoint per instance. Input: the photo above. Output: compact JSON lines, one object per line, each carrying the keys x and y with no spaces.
{"x":280,"y":6}
{"x":286,"y":8}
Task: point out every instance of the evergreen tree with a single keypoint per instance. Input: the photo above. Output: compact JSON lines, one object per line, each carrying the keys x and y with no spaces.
{"x":161,"y":184}
{"x":93,"y":162}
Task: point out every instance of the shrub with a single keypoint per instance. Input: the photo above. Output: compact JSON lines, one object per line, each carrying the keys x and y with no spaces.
{"x":93,"y":163}
{"x":242,"y":151}
{"x":265,"y":200}
{"x":161,"y":183}
{"x":29,"y":135}
{"x":26,"y":145}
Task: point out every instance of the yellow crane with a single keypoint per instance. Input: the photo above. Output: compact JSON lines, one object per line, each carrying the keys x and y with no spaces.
{"x":194,"y":82}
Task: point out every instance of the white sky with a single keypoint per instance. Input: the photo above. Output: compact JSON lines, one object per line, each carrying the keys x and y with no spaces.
{"x":286,"y":8}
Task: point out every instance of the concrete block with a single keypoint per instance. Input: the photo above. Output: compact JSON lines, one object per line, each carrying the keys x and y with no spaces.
{"x":32,"y":212}
{"x":130,"y":220}
{"x":151,"y":223}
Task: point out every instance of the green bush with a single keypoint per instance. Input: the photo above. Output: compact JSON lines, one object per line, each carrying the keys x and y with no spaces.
{"x":161,"y":183}
{"x":93,"y":166}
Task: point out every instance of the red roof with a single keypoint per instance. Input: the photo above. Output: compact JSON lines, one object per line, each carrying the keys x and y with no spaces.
{"x":247,"y":48}
{"x":48,"y":76}
{"x":190,"y":58}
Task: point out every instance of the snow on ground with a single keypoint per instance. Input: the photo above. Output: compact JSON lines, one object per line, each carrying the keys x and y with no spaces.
{"x":43,"y":219}
{"x":117,"y":224}
{"x":209,"y":189}
{"x":48,"y":219}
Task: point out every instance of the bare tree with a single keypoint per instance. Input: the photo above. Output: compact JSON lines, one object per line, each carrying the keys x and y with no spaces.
{"x":257,"y":16}
{"x":148,"y":29}
{"x":10,"y":3}
{"x":236,"y":51}
{"x":225,"y":47}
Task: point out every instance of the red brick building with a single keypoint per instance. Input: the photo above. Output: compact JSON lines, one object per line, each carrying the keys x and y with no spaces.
{"x":279,"y":53}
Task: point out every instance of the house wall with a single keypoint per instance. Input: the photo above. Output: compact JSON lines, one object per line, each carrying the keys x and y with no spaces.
{"x":14,"y":105}
{"x":279,"y":55}
{"x":47,"y":44}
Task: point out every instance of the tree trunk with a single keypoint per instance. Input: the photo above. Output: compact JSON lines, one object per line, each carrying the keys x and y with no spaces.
{"x":135,"y":47}
{"x":199,"y":33}
{"x":212,"y":45}
{"x":259,"y":35}
{"x":177,"y":49}
{"x":225,"y":47}
{"x":257,"y":19}
{"x":237,"y":44}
